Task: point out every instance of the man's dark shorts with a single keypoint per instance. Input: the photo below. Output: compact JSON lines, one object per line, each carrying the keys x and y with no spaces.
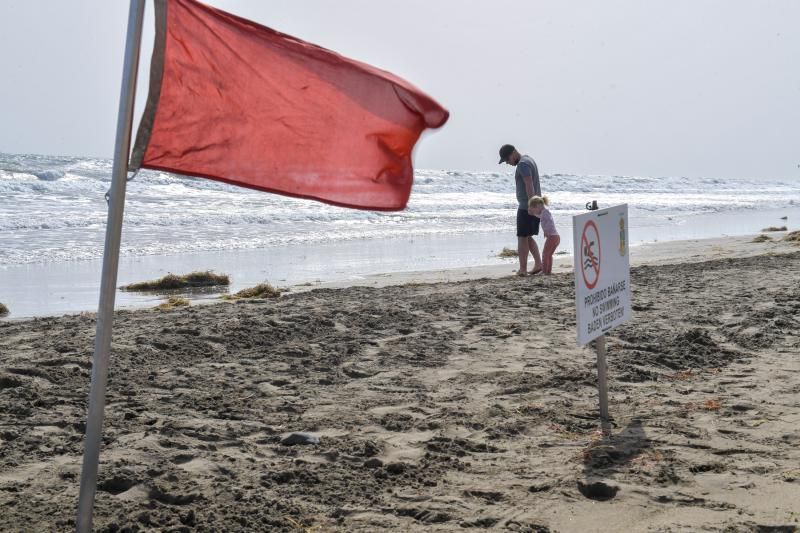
{"x":527,"y":225}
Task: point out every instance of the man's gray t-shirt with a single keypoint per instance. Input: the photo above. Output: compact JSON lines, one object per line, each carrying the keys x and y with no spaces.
{"x":526,"y":167}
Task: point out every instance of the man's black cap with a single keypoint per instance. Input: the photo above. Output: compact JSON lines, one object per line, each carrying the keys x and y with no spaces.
{"x":505,"y":151}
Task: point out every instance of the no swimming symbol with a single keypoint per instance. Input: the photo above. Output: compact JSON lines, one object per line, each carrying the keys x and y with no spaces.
{"x":590,"y":254}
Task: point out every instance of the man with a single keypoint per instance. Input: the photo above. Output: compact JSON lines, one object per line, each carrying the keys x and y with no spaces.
{"x":527,"y":181}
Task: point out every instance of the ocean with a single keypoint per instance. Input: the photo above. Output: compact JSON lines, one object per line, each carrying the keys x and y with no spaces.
{"x":53,"y":214}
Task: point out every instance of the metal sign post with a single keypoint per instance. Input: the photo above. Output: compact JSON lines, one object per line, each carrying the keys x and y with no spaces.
{"x":602,"y":283}
{"x":602,"y":382}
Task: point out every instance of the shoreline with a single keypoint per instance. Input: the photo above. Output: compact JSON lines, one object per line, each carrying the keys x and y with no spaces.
{"x":652,"y":253}
{"x":455,"y":406}
{"x":76,"y":281}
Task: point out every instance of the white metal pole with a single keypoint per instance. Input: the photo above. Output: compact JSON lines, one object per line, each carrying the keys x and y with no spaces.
{"x":602,"y":382}
{"x":105,"y":311}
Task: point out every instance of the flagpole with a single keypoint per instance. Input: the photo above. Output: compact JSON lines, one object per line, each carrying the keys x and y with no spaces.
{"x":105,"y":311}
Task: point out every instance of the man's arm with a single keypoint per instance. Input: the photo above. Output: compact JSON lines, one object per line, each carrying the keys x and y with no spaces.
{"x":527,"y":179}
{"x":537,"y":189}
{"x":528,"y":186}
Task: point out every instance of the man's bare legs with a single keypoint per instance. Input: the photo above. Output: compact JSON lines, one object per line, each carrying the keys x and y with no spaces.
{"x":522,"y":251}
{"x":537,"y":258}
{"x":525,"y":245}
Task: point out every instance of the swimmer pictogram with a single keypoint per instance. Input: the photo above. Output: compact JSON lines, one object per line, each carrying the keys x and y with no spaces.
{"x":590,"y":254}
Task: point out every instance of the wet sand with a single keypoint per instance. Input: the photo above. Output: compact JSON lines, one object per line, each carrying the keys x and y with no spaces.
{"x":57,"y":288}
{"x":459,"y":405}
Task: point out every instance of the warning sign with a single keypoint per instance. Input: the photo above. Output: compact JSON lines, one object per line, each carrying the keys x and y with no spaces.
{"x":602,"y":280}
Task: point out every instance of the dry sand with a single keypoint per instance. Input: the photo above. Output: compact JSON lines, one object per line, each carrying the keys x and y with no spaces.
{"x":448,"y":406}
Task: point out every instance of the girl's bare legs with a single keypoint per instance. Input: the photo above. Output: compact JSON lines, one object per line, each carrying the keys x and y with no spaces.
{"x":550,"y":245}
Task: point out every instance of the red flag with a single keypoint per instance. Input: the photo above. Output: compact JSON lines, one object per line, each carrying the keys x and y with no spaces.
{"x":234,"y":101}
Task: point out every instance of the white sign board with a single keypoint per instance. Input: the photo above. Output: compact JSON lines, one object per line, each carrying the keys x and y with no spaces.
{"x":602,"y":271}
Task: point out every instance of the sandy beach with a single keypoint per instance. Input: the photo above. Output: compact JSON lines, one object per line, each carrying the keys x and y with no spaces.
{"x":447,"y":401}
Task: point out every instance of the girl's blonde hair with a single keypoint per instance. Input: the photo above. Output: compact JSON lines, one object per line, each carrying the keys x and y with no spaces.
{"x":537,"y":201}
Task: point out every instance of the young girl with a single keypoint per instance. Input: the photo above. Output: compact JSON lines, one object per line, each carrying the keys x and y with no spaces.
{"x":536,"y":207}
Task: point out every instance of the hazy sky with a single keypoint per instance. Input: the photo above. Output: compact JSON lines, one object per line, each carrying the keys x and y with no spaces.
{"x":613,"y":87}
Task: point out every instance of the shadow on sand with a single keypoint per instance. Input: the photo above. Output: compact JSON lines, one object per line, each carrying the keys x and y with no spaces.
{"x":607,"y":456}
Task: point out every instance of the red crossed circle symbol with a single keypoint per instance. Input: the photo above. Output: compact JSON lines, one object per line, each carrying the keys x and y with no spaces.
{"x":590,"y":261}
